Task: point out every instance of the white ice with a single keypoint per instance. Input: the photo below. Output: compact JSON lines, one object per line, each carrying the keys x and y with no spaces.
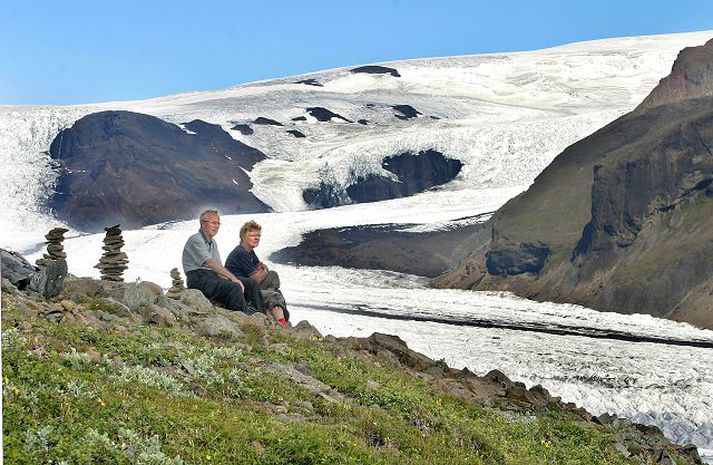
{"x":505,"y":116}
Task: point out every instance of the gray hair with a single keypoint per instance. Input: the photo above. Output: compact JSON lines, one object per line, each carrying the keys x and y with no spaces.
{"x":205,"y":214}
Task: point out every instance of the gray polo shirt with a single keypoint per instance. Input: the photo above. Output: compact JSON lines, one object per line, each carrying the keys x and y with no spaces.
{"x":197,"y":250}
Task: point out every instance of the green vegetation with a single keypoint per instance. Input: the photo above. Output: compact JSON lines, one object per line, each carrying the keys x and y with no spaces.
{"x":140,"y":394}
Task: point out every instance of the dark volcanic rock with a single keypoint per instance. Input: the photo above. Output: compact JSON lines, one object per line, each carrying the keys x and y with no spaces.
{"x":325,"y":196}
{"x":363,"y":121}
{"x":382,"y":247}
{"x":625,"y":215}
{"x":244,"y":129}
{"x":691,"y":77}
{"x":299,"y":118}
{"x":118,"y":166}
{"x":296,"y":133}
{"x":407,"y":112}
{"x":323,"y":114}
{"x":524,"y":258}
{"x":310,"y":82}
{"x":267,"y":121}
{"x":373,"y":69}
{"x":415,"y":173}
{"x":15,"y":268}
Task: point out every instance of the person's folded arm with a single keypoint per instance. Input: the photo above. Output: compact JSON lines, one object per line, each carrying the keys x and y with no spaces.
{"x":259,"y":274}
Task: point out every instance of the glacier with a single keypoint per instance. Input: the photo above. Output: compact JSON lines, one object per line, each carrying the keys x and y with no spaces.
{"x":505,"y":116}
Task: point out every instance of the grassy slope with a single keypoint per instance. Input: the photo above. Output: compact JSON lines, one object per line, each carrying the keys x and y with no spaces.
{"x":155,"y":395}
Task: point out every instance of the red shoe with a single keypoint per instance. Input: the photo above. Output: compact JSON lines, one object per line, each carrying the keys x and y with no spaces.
{"x":282,"y":322}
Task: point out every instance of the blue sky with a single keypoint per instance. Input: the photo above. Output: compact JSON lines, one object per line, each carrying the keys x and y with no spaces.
{"x":77,"y":51}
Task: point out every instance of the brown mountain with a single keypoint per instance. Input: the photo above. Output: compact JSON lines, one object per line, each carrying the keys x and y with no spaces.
{"x":621,"y":220}
{"x":135,"y":169}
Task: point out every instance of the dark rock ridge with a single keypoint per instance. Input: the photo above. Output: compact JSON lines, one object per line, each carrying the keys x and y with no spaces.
{"x":415,"y":173}
{"x":299,"y":118}
{"x":374,"y":69}
{"x":621,"y":220}
{"x":118,"y":166}
{"x":406,"y":112}
{"x":323,"y":114}
{"x":296,"y":133}
{"x":326,"y":195}
{"x":310,"y":82}
{"x":244,"y":129}
{"x":691,"y":77}
{"x":377,"y":247}
{"x":267,"y":121}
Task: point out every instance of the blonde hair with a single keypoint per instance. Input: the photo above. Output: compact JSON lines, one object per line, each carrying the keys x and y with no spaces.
{"x":247,"y":227}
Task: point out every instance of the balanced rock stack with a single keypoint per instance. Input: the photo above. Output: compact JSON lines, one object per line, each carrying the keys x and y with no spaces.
{"x":113,"y":262}
{"x":55,"y":249}
{"x":177,"y":288}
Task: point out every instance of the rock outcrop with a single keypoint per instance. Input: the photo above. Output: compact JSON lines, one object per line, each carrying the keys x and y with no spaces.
{"x":412,"y":173}
{"x":691,"y":77}
{"x":135,"y":169}
{"x":375,"y":69}
{"x":621,"y":220}
{"x":376,"y":247}
{"x":325,"y":114}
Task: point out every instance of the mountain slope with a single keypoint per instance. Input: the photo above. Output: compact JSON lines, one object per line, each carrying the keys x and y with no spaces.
{"x":119,"y":373}
{"x":621,"y":221}
{"x":502,"y":116}
{"x":135,"y":169}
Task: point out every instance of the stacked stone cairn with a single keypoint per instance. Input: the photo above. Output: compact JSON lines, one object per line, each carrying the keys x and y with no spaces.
{"x":55,"y":249}
{"x":113,"y":261}
{"x":178,"y":287}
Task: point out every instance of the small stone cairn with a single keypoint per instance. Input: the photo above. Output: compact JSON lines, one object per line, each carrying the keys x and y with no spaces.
{"x":55,"y":249}
{"x":113,"y":261}
{"x":178,"y":287}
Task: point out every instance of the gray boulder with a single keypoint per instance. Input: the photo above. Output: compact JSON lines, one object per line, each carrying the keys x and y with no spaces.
{"x":217,"y":325}
{"x":16,"y":269}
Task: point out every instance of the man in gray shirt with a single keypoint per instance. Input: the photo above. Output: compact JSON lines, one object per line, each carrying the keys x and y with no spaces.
{"x":204,"y":271}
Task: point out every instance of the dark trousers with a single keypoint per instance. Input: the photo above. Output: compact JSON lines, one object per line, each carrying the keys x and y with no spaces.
{"x":227,"y":293}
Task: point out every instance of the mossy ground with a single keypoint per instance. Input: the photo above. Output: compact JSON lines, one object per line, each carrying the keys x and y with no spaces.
{"x":147,"y":395}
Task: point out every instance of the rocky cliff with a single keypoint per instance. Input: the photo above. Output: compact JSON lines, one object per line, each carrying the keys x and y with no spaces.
{"x":621,"y":220}
{"x":135,"y":169}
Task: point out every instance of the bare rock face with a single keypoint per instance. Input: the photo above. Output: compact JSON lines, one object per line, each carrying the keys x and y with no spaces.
{"x":135,"y":169}
{"x":375,"y":69}
{"x":413,"y":173}
{"x":621,"y":220}
{"x":691,"y":77}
